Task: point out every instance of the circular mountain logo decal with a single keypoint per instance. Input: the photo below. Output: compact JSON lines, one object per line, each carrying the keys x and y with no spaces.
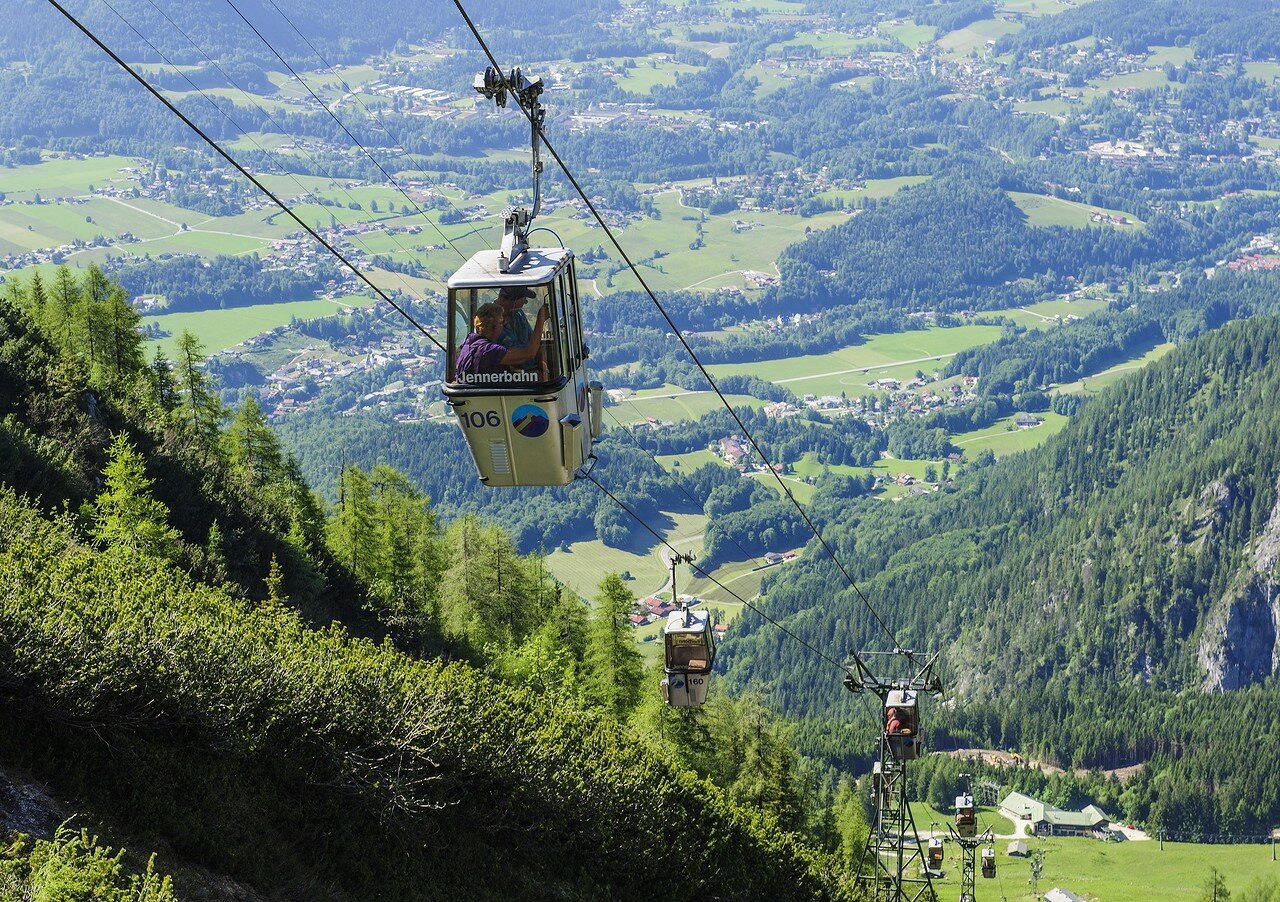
{"x":530,"y":420}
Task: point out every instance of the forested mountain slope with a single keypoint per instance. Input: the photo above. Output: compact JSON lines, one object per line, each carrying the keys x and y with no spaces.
{"x":197,"y":656}
{"x":1090,"y":591}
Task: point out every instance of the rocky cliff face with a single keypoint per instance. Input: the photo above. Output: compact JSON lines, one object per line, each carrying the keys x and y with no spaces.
{"x":1241,"y":640}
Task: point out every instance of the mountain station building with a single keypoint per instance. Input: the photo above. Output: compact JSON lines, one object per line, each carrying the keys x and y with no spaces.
{"x":1047,"y":820}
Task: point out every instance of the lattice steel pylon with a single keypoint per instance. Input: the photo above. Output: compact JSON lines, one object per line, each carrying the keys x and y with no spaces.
{"x":969,"y":846}
{"x":897,"y":868}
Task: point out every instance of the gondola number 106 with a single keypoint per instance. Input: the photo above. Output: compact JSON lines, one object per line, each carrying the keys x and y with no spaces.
{"x":476,"y":419}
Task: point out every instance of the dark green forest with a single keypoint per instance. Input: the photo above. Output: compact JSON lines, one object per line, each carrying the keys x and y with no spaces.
{"x":1081,"y":590}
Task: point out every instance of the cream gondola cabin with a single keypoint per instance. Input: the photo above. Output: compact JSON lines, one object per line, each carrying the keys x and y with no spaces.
{"x":690,"y":654}
{"x":966,"y":816}
{"x":936,"y":853}
{"x":531,"y":424}
{"x":902,"y":724}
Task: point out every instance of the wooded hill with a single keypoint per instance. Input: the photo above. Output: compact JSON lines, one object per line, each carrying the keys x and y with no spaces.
{"x":200,"y":659}
{"x":1094,"y":598}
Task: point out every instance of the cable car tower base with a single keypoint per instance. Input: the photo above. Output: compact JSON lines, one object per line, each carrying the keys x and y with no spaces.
{"x":893,"y":863}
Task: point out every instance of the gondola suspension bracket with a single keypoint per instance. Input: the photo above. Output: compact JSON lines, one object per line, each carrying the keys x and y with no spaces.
{"x":495,"y":86}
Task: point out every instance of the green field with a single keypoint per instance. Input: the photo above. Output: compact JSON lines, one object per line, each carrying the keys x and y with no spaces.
{"x":874,"y":189}
{"x":1140,"y":80}
{"x":673,"y":404}
{"x":1045,"y":314}
{"x":1091,"y":385}
{"x":1043,"y":210}
{"x":585,"y":563}
{"x":648,"y":73}
{"x":973,"y":38}
{"x":1003,"y":437}
{"x":911,"y":34}
{"x":881,"y":356}
{"x":687,"y":463}
{"x":55,"y":177}
{"x":1121,"y":871}
{"x":822,"y":44}
{"x":926,"y":817}
{"x":1179,"y":56}
{"x":221,"y":329}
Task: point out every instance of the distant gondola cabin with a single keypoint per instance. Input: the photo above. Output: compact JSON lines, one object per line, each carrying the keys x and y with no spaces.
{"x":530,"y":423}
{"x":902,"y":723}
{"x":690,"y":653}
{"x":935,"y":852}
{"x":966,"y":816}
{"x":989,"y":863}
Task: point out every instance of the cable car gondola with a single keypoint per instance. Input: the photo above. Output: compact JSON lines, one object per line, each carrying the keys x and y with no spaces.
{"x":528,"y":411}
{"x":989,"y":863}
{"x":935,"y":853}
{"x":966,"y":816}
{"x":690,"y":651}
{"x":902,"y":723}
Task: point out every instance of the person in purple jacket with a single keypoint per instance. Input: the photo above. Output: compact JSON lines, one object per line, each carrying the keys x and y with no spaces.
{"x":480,"y":353}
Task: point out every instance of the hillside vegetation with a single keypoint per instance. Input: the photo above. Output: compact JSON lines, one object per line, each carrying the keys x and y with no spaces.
{"x":195,"y":653}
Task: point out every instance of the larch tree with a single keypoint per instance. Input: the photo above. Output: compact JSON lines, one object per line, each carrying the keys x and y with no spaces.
{"x":200,"y":407}
{"x":125,"y":514}
{"x":252,"y":447}
{"x":613,"y":669}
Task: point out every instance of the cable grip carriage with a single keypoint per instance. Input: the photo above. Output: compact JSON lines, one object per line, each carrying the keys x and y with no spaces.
{"x":530,"y":422}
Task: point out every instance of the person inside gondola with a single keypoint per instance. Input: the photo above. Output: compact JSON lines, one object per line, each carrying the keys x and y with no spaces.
{"x":516,"y":331}
{"x":892,"y":723}
{"x":482,"y":354}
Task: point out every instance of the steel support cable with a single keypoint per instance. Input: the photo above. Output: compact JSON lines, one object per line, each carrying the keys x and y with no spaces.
{"x":239,"y":168}
{"x":705,"y":575}
{"x":332,"y":115}
{"x":245,"y":132}
{"x":674,"y":328}
{"x":396,"y":140}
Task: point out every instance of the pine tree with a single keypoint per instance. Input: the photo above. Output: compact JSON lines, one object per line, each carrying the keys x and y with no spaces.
{"x":351,"y":529}
{"x":613,"y":667}
{"x":125,"y":514}
{"x":37,"y":298}
{"x":1215,"y":888}
{"x":164,"y":387}
{"x":216,"y":553}
{"x":90,"y":320}
{"x":275,"y":583}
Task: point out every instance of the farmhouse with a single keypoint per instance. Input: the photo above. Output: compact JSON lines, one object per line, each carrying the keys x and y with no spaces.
{"x":1046,"y":820}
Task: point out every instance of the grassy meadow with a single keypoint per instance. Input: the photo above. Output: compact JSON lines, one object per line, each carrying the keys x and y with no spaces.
{"x":848,"y":370}
{"x":1091,"y":385}
{"x":1043,"y":210}
{"x":222,"y":329}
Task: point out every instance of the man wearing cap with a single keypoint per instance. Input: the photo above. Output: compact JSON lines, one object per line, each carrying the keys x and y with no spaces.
{"x":516,"y":331}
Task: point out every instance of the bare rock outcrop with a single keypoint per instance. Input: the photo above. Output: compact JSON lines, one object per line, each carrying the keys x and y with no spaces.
{"x":1240,"y":645}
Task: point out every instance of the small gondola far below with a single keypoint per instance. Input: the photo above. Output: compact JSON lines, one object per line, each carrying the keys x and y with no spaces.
{"x":690,"y":654}
{"x":526,"y":408}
